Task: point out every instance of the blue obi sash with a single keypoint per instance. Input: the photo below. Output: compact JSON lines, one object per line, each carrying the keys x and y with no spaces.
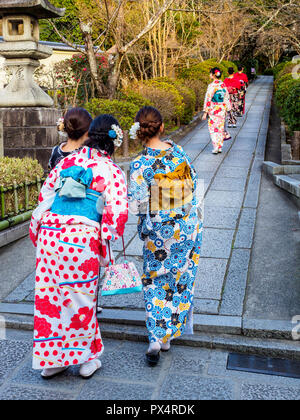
{"x":219,"y":96}
{"x":74,"y":197}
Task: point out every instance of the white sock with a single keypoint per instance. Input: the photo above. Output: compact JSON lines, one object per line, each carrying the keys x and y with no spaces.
{"x":154,"y":347}
{"x":166,"y":346}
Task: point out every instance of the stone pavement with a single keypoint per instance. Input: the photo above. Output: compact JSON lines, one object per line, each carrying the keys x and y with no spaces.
{"x":232,"y":183}
{"x":185,"y":373}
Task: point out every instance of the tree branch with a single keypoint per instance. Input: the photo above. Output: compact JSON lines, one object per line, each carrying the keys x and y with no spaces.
{"x":150,"y":25}
{"x":65,"y":40}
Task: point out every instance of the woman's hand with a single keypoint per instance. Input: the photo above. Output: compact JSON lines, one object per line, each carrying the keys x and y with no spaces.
{"x":204,"y":116}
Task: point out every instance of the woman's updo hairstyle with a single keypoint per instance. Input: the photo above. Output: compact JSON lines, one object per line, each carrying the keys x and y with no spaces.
{"x":76,"y":123}
{"x":150,"y":121}
{"x":216,"y":72}
{"x":99,"y":133}
{"x":231,"y":70}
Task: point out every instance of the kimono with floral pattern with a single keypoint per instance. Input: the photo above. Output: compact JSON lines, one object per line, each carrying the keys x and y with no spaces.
{"x":217,"y":104}
{"x":70,"y":250}
{"x":170,"y":225}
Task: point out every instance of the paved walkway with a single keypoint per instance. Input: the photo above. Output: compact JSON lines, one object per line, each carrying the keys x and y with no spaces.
{"x":232,"y":183}
{"x":225,"y":294}
{"x":183,"y":374}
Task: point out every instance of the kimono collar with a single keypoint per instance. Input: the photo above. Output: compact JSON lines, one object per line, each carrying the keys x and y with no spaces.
{"x":158,"y":152}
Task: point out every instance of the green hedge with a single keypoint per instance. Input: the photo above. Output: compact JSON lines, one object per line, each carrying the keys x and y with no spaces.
{"x":188,"y":96}
{"x":291,"y":108}
{"x":287,"y":94}
{"x":123,"y":111}
{"x":19,"y":171}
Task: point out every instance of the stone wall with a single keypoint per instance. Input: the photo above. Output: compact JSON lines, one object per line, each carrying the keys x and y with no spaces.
{"x":29,"y":132}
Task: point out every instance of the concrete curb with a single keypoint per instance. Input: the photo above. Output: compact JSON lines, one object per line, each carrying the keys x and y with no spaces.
{"x":13,"y":234}
{"x":280,"y":176}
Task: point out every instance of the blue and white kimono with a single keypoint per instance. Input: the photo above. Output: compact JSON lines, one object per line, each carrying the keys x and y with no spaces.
{"x":164,"y":193}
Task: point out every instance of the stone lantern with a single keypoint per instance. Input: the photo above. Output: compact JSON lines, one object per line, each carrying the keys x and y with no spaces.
{"x":27,"y":116}
{"x":23,"y":51}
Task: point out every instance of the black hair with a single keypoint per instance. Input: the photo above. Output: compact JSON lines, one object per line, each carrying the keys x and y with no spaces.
{"x":77,"y":122}
{"x":240,"y":67}
{"x":215,"y":71}
{"x":231,"y":70}
{"x":98,"y":134}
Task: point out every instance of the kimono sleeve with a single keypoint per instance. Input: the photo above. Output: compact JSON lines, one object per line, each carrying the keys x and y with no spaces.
{"x":208,"y":99}
{"x":46,"y":199}
{"x":139,"y":192}
{"x":115,"y":212}
{"x":227,"y":100}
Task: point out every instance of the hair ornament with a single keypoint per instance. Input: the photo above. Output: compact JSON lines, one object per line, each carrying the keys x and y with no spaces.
{"x":116,"y":134}
{"x":134,"y":130}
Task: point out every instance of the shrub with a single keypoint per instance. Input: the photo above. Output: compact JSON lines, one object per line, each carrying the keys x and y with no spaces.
{"x":283,"y":91}
{"x":282,"y":79}
{"x":228,"y":64}
{"x":19,"y":171}
{"x":134,"y":97}
{"x":188,"y":95}
{"x":277,"y":69}
{"x":287,"y":68}
{"x":123,"y":111}
{"x":177,"y":97}
{"x":165,"y":98}
{"x":291,"y":108}
{"x":199,"y":87}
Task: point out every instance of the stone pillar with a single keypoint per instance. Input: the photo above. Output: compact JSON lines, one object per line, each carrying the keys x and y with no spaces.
{"x":29,"y":132}
{"x":26,"y":111}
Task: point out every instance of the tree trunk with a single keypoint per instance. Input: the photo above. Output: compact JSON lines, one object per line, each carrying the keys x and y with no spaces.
{"x":114,"y":76}
{"x":125,"y":144}
{"x":86,"y":29}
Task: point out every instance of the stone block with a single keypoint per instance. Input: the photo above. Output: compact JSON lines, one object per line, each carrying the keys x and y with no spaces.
{"x":217,"y":243}
{"x":210,"y":278}
{"x":236,"y":282}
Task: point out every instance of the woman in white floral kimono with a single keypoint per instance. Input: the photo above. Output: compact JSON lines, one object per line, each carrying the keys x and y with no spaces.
{"x":83,"y":205}
{"x":217,"y":104}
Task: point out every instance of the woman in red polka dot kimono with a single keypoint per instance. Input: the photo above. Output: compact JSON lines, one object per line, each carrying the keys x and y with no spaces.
{"x":82,"y":207}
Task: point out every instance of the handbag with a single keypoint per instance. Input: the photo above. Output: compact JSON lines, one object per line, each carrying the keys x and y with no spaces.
{"x":120,"y":279}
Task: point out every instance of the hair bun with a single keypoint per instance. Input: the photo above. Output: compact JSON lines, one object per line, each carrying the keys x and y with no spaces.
{"x":150,"y":121}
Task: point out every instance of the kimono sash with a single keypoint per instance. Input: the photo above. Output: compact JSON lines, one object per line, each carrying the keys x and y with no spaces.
{"x":172,"y":190}
{"x":73,"y":197}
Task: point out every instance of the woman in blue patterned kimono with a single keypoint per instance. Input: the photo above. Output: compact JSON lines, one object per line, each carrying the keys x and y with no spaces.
{"x":166,"y":196}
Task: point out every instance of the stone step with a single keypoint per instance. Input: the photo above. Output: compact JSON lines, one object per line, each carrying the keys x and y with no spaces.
{"x":232,"y":343}
{"x":209,"y":324}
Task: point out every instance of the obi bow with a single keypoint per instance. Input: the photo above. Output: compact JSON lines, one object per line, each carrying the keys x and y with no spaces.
{"x":73,"y":182}
{"x":172,"y":190}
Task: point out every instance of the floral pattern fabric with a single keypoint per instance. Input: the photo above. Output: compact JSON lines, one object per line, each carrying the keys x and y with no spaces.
{"x":70,"y":250}
{"x":172,"y":241}
{"x":217,"y":104}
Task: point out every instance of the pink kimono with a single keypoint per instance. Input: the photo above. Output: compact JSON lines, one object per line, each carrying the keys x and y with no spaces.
{"x":82,"y":205}
{"x":217,"y":104}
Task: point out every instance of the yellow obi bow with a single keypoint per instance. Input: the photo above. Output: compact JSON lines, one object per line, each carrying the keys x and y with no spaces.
{"x":172,"y":190}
